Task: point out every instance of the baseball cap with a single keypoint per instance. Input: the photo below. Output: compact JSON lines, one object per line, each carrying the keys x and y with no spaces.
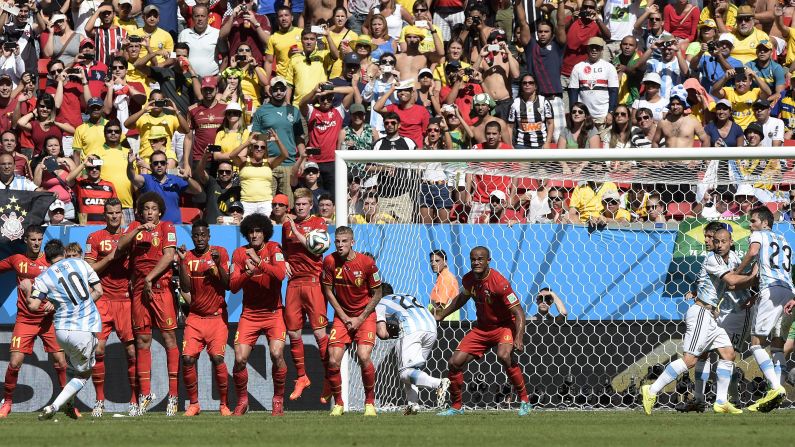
{"x":483,"y":98}
{"x":408,"y":84}
{"x":57,"y":18}
{"x":597,"y":41}
{"x":666,"y":37}
{"x":281,"y":199}
{"x":745,"y":10}
{"x":157,"y":133}
{"x":278,"y":80}
{"x":724,"y":103}
{"x":356,"y":108}
{"x":236,"y":205}
{"x":95,"y":102}
{"x":726,"y":37}
{"x":352,"y":59}
{"x":57,"y":205}
{"x":311,"y":165}
{"x":744,"y":189}
{"x":150,"y":8}
{"x":363,"y":40}
{"x":709,"y":23}
{"x":86,"y":42}
{"x":755,"y":127}
{"x":498,"y":194}
{"x":425,"y":71}
{"x":497,"y":33}
{"x":125,"y":2}
{"x":414,"y":31}
{"x":209,"y":82}
{"x":763,"y":103}
{"x":652,"y":77}
{"x":611,"y":196}
{"x":233,"y":106}
{"x":765,"y":43}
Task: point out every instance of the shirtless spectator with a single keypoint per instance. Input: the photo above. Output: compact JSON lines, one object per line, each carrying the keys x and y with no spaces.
{"x":679,"y":130}
{"x":484,"y":111}
{"x":499,"y":67}
{"x":413,"y":60}
{"x":318,"y":11}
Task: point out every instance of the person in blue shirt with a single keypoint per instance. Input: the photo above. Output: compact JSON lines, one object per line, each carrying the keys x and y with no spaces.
{"x":766,"y":68}
{"x":713,"y":63}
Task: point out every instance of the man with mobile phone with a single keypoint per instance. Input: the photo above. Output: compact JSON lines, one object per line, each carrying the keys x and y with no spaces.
{"x":12,"y":63}
{"x":24,"y":34}
{"x":95,"y":71}
{"x":245,"y":26}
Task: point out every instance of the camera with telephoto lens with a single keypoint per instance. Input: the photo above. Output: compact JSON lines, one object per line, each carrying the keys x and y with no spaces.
{"x":711,"y":46}
{"x":475,"y":21}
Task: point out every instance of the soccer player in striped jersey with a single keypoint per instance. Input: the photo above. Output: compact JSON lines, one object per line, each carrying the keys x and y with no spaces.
{"x":304,"y":295}
{"x":204,"y":278}
{"x":703,"y":332}
{"x":29,"y":324}
{"x":416,"y":336}
{"x":115,"y":305}
{"x":773,"y":256}
{"x":501,"y":323}
{"x":70,"y":288}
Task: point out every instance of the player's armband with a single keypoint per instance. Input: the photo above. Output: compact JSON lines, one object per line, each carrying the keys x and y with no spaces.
{"x":38,"y":295}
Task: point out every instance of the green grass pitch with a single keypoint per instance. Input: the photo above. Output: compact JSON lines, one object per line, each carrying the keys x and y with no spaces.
{"x":481,"y":429}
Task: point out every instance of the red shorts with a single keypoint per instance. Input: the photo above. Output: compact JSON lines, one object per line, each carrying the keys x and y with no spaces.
{"x":365,"y":335}
{"x":25,"y":334}
{"x":159,"y":308}
{"x":116,"y":316}
{"x":200,"y":332}
{"x":478,"y":341}
{"x":305,"y":297}
{"x":249,"y":328}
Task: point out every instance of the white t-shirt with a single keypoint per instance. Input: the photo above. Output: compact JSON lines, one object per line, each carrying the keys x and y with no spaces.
{"x":620,"y":17}
{"x":593,"y":80}
{"x":657,"y":108}
{"x":774,"y":131}
{"x":202,"y":50}
{"x":539,"y":208}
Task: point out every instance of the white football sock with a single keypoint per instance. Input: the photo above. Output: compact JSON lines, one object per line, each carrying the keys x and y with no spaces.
{"x":703,"y":368}
{"x":766,"y":365}
{"x":779,"y":364}
{"x":68,"y":392}
{"x":724,"y":373}
{"x":670,"y":374}
{"x":418,"y":377}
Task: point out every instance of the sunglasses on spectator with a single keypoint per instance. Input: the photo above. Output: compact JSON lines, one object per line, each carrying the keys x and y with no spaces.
{"x":326,"y":99}
{"x":620,"y":113}
{"x":311,"y":171}
{"x":655,"y":19}
{"x":577,"y":112}
{"x":55,"y":72}
{"x":92,"y":168}
{"x":388,"y":62}
{"x":420,"y":9}
{"x":643,"y":117}
{"x":279,"y":88}
{"x":224,"y":171}
{"x":159,"y":162}
{"x":390,"y":123}
{"x":234,"y":112}
{"x":112,"y":130}
{"x":555,"y":199}
{"x":541,"y":298}
{"x":434,"y":129}
{"x":260,"y":147}
{"x":745,"y":19}
{"x":528,"y":82}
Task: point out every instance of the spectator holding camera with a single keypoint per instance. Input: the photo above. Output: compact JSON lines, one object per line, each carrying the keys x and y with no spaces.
{"x":11,"y":62}
{"x":42,"y":124}
{"x":581,"y":30}
{"x":252,"y":78}
{"x":714,"y":59}
{"x":545,"y":299}
{"x":671,"y":65}
{"x":24,"y":32}
{"x":381,"y":78}
{"x":307,"y":69}
{"x":498,"y":67}
{"x":741,"y":96}
{"x":325,"y":124}
{"x":413,"y":118}
{"x":245,"y":26}
{"x":51,"y":174}
{"x":233,"y":216}
{"x":91,"y":191}
{"x":152,"y":118}
{"x":464,"y":85}
{"x":63,"y":43}
{"x":153,"y":37}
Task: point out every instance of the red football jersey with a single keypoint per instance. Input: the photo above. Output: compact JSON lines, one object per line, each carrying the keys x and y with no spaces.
{"x":148,"y":247}
{"x":486,"y":183}
{"x":262,"y":291}
{"x":116,"y":276}
{"x":303,"y":263}
{"x":26,"y":268}
{"x":352,"y":280}
{"x":494,"y":297}
{"x":206,"y":290}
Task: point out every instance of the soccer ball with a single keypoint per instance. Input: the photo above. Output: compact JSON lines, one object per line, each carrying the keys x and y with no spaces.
{"x":318,"y":241}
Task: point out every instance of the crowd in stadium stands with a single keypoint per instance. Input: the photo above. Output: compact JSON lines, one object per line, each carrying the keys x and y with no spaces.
{"x":225,"y":107}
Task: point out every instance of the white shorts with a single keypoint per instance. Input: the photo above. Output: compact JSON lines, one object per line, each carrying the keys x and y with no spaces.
{"x":737,"y":325}
{"x":413,"y":349}
{"x":79,"y":348}
{"x":703,"y":333}
{"x":782,"y":326}
{"x":250,"y":208}
{"x":770,"y":308}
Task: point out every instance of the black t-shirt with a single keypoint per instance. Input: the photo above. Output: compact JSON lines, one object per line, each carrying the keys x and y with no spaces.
{"x":174,"y":86}
{"x":219,"y":200}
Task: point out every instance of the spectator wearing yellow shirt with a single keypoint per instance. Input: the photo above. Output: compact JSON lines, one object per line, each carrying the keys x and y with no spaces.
{"x":125,"y":17}
{"x":446,"y":286}
{"x":90,"y":135}
{"x":746,"y":35}
{"x":741,"y":96}
{"x":586,"y":200}
{"x":252,"y":78}
{"x":132,"y":52}
{"x":283,"y":43}
{"x":371,"y":213}
{"x":787,"y":33}
{"x":455,"y":49}
{"x":612,"y":211}
{"x":307,"y":69}
{"x":233,"y":131}
{"x":723,"y":12}
{"x":154,"y":38}
{"x":152,"y":117}
{"x":343,"y":36}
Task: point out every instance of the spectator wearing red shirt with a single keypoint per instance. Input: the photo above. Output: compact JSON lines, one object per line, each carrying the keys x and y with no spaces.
{"x":461,"y":90}
{"x":205,"y":119}
{"x":8,"y":144}
{"x":92,"y":191}
{"x":414,"y":119}
{"x":680,"y":18}
{"x":7,"y":103}
{"x":70,"y":95}
{"x":244,"y":26}
{"x":325,"y":123}
{"x":481,"y":187}
{"x":588,"y":24}
{"x":96,"y":72}
{"x":500,"y":212}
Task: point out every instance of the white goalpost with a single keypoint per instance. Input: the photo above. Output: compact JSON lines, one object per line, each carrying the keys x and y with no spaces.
{"x":623,"y":282}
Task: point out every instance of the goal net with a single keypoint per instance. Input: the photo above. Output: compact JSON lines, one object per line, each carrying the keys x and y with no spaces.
{"x":614,"y":244}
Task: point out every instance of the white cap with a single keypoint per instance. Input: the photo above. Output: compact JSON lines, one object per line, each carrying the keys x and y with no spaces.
{"x":611,"y":195}
{"x":498,"y":194}
{"x":58,"y":204}
{"x":424,"y":71}
{"x":652,"y":77}
{"x":125,"y":2}
{"x":742,"y":190}
{"x":726,"y":37}
{"x":233,"y":105}
{"x":408,"y":84}
{"x":57,"y":17}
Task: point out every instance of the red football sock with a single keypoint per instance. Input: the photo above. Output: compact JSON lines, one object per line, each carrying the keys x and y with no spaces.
{"x":335,"y":380}
{"x":517,"y":379}
{"x":61,"y":371}
{"x":191,"y":380}
{"x":279,"y":377}
{"x":456,"y":388}
{"x":98,"y":376}
{"x":172,"y":362}
{"x":222,"y":378}
{"x":368,"y":381}
{"x":241,"y":383}
{"x":12,"y":374}
{"x":131,"y":379}
{"x":322,"y":346}
{"x":297,"y":350}
{"x":143,"y":369}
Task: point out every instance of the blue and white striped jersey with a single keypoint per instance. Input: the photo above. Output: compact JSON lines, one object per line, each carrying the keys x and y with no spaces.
{"x":406,"y":311}
{"x":774,"y":259}
{"x":67,"y":285}
{"x":712,"y":290}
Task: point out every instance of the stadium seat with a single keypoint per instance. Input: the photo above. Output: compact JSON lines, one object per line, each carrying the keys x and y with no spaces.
{"x":774,"y":207}
{"x":190,"y":214}
{"x":42,"y":69}
{"x":679,"y":210}
{"x":789,"y":142}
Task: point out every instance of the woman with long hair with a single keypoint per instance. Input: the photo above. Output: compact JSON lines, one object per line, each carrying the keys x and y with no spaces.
{"x":63,"y":44}
{"x":339,"y":33}
{"x":435,"y":198}
{"x":233,"y":131}
{"x":252,"y":80}
{"x":41,"y":124}
{"x":394,"y":15}
{"x":379,"y":36}
{"x":619,"y":137}
{"x":52,"y":172}
{"x":581,"y":133}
